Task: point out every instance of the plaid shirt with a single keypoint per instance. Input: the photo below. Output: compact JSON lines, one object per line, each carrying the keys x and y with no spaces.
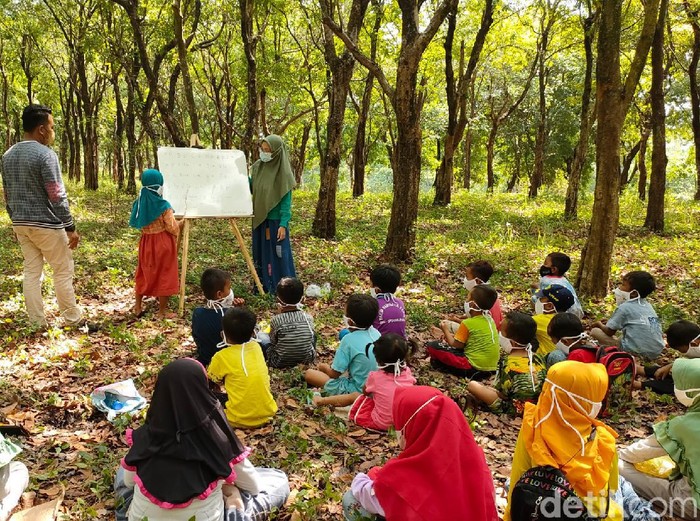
{"x":33,"y":187}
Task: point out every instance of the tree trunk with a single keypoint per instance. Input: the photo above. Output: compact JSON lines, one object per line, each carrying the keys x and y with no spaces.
{"x":581,"y":151}
{"x":445,"y":172}
{"x":694,"y":89}
{"x":130,"y":125}
{"x":300,"y":156}
{"x":513,"y":181}
{"x":467,"y":146}
{"x":458,"y":118}
{"x":361,"y":149}
{"x":340,"y":69}
{"x":184,"y":67}
{"x":490,"y":144}
{"x":657,"y":186}
{"x":151,"y":71}
{"x":118,"y":145}
{"x":250,"y":43}
{"x":613,"y":100}
{"x":642,"y":167}
{"x":628,"y":160}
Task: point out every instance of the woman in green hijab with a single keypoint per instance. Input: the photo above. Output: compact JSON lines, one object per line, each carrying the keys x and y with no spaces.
{"x":272,"y":181}
{"x":675,"y":442}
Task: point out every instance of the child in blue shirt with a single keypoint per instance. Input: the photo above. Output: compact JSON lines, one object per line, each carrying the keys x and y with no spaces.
{"x":352,"y":362}
{"x":552,"y":272}
{"x":206,"y":321}
{"x":634,"y":316}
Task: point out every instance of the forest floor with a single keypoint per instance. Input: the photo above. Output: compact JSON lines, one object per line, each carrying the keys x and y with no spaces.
{"x":46,"y":378}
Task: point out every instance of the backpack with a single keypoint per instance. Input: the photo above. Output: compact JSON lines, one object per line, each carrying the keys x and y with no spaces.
{"x":544,"y":493}
{"x":622,"y":370}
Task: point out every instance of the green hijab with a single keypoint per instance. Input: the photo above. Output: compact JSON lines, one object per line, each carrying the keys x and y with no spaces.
{"x":679,"y":436}
{"x":270,"y":181}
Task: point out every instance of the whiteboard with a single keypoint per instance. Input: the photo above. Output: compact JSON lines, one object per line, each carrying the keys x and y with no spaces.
{"x":205,"y":183}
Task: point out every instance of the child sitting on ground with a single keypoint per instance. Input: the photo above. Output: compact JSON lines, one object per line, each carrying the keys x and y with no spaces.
{"x":555,"y":299}
{"x":477,"y":273}
{"x":351,"y":357}
{"x":520,"y":370}
{"x":634,"y":316}
{"x":391,"y":317}
{"x":470,"y":348}
{"x":684,"y":337}
{"x":571,"y":341}
{"x":553,"y":271}
{"x":372,"y":408}
{"x":240,"y":366}
{"x":206,"y":321}
{"x":292,"y":337}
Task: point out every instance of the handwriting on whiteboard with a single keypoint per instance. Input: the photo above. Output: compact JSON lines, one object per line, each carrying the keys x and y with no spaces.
{"x":205,"y":183}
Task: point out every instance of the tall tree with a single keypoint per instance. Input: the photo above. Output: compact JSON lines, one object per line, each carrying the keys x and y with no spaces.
{"x":360,"y":152}
{"x":182,"y":44}
{"x":407,"y":103}
{"x":693,"y":18}
{"x":613,"y":101}
{"x":657,"y":185}
{"x":546,"y":24}
{"x":578,"y":161}
{"x":340,"y":68}
{"x":458,"y":92}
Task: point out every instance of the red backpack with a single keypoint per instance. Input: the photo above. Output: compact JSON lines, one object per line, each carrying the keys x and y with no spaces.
{"x":621,"y":368}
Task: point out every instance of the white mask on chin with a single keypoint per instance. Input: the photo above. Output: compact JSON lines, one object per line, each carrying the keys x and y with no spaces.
{"x":682,"y":396}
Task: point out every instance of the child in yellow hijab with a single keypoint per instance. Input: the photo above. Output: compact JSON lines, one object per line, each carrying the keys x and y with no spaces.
{"x":561,"y":430}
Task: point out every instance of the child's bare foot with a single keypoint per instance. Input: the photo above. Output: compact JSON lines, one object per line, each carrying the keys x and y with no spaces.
{"x":436,"y":332}
{"x":636,"y":385}
{"x":232,"y":497}
{"x":640,"y":369}
{"x":318,"y":400}
{"x":163,"y":314}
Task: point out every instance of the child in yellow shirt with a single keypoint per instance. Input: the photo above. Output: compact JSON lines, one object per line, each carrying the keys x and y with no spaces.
{"x":555,"y":299}
{"x":240,"y":366}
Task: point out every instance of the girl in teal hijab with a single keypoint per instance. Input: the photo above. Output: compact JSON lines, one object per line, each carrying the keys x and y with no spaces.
{"x":272,"y":181}
{"x":157,"y":270}
{"x":150,"y":203}
{"x":675,"y":441}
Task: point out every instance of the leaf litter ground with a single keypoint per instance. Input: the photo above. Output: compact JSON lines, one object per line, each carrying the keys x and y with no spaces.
{"x":46,"y":378}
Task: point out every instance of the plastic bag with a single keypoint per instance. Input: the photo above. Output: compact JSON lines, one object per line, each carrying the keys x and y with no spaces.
{"x":661,"y":467}
{"x":117,"y":398}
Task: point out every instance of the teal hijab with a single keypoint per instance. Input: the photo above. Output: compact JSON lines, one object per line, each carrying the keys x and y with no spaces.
{"x":679,"y":436}
{"x":150,"y":204}
{"x":270,"y":181}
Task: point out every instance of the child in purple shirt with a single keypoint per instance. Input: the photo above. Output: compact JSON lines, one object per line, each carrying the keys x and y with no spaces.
{"x":391,"y":318}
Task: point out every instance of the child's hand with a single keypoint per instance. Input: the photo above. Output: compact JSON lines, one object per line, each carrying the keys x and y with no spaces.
{"x":232,"y":497}
{"x":238,"y":301}
{"x":437,"y":333}
{"x":180,"y":223}
{"x":663,"y":372}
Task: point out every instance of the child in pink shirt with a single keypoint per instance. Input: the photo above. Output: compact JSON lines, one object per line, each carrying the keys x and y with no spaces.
{"x":372,"y":409}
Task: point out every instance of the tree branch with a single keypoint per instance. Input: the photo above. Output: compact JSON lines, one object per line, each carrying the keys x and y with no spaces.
{"x":370,"y":65}
{"x":651,"y":12}
{"x":424,"y":38}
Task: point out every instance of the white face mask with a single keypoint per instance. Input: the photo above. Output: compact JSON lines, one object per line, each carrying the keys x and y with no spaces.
{"x":576,"y":402}
{"x":540,"y":307}
{"x":470,"y":284}
{"x":298,"y":305}
{"x":471,"y":306}
{"x":265,"y":157}
{"x":401,"y":440}
{"x":373,"y":292}
{"x":682,"y":396}
{"x":347,"y":323}
{"x":400,"y":433}
{"x":693,"y":352}
{"x":564,"y":348}
{"x":158,"y":190}
{"x":623,"y":296}
{"x":220,"y":304}
{"x":505,"y":343}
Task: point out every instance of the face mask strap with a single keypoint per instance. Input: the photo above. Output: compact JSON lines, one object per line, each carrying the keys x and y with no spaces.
{"x":399,"y":366}
{"x":402,"y":429}
{"x":574,"y":397}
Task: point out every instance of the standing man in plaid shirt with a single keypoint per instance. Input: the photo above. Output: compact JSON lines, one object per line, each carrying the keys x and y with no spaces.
{"x":38,"y":207}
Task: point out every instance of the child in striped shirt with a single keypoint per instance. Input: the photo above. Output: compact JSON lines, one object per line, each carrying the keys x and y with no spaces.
{"x":292,"y":337}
